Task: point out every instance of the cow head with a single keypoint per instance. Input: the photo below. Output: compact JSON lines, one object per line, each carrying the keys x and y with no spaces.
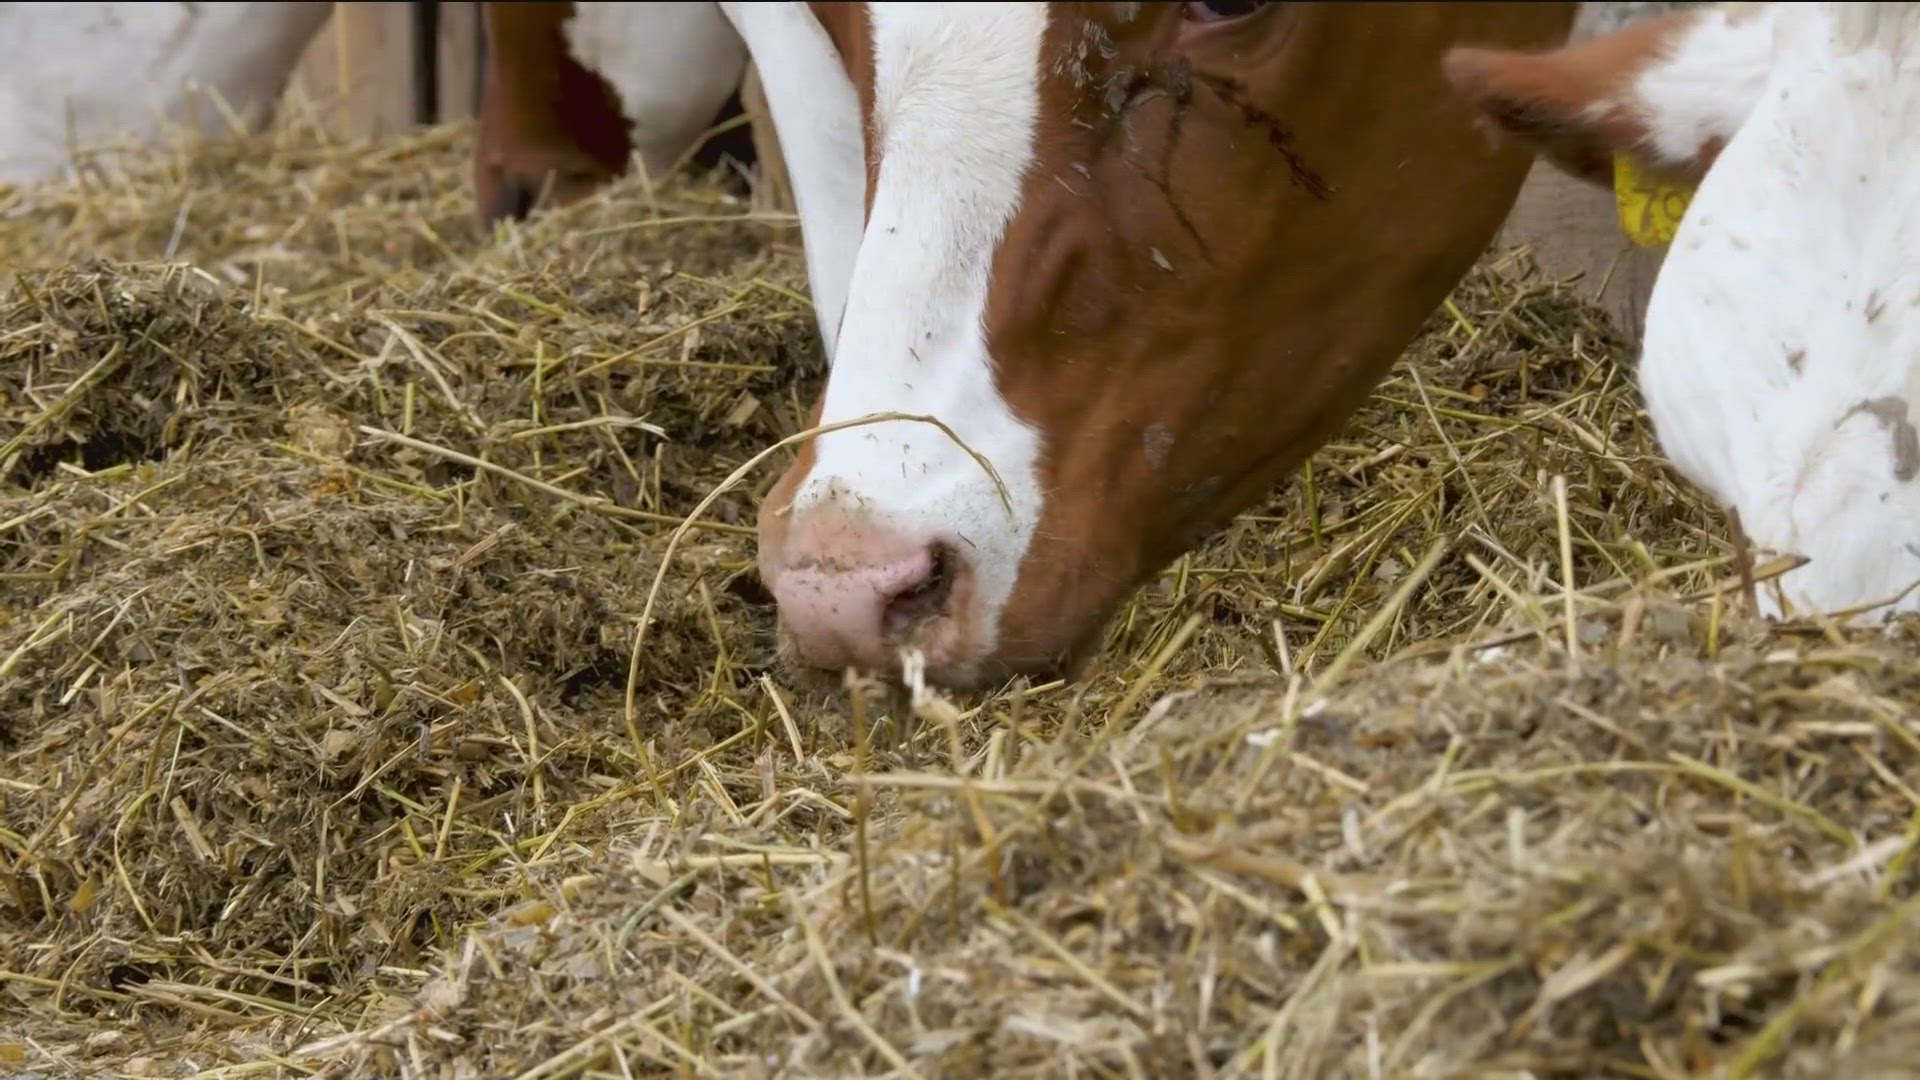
{"x":548,"y":127}
{"x":1142,"y":259}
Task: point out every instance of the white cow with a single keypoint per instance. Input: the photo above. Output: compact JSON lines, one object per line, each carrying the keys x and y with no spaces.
{"x":1781,"y":358}
{"x":80,"y":75}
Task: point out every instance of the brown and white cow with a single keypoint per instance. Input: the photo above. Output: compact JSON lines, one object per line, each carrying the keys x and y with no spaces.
{"x":572,"y":93}
{"x":1142,"y":258}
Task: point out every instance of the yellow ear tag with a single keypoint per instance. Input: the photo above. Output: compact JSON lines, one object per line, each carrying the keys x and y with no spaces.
{"x":1650,"y":208}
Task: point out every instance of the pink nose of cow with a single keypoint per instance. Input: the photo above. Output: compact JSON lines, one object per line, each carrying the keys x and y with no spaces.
{"x":851,"y":592}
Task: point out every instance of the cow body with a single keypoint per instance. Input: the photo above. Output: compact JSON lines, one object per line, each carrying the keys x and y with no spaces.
{"x":83,"y":74}
{"x":1782,"y":348}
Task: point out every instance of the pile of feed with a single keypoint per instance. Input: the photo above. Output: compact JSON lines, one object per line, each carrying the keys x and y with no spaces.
{"x":327,"y":521}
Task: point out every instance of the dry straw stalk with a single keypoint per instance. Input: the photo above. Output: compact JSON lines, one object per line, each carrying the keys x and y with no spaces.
{"x":325,"y":547}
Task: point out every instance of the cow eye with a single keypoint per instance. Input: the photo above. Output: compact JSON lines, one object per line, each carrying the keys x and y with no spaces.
{"x":1213,"y":11}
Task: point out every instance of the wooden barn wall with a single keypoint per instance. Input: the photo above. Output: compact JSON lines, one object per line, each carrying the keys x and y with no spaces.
{"x":357,"y":75}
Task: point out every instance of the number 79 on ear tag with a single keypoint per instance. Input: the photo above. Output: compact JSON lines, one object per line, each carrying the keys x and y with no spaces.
{"x":1650,"y":208}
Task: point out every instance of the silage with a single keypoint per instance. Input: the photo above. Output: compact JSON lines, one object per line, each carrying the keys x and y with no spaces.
{"x":328,"y":523}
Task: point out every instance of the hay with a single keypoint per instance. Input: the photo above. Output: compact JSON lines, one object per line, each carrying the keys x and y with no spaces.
{"x":327,"y":523}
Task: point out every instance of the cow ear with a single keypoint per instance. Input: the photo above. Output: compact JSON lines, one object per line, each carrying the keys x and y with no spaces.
{"x":1668,"y":91}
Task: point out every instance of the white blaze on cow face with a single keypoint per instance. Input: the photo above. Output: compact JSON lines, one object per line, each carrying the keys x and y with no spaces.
{"x":901,"y":285}
{"x":1781,"y":358}
{"x":955,"y":106}
{"x":82,"y":74}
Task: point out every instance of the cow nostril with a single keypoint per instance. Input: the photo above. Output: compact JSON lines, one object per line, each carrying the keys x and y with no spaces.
{"x":511,"y":199}
{"x":519,"y":200}
{"x":925,"y":601}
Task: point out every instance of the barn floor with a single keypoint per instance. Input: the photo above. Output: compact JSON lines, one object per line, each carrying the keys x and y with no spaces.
{"x":326,"y":524}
